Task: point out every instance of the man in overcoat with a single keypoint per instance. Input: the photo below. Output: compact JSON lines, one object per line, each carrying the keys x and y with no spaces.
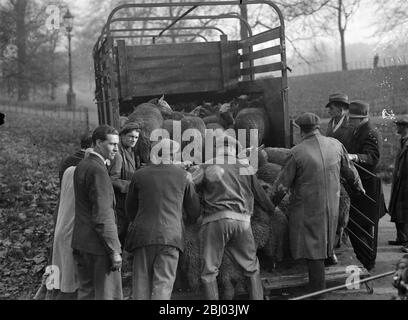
{"x":312,"y":174}
{"x":338,"y":107}
{"x":95,"y":241}
{"x":338,"y":128}
{"x":398,"y":207}
{"x":121,"y":172}
{"x":364,"y":150}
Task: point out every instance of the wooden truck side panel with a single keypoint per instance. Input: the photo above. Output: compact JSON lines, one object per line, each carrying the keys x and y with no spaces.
{"x":176,"y":68}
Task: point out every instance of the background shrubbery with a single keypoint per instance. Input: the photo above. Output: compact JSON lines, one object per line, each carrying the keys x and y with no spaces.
{"x":31,"y":149}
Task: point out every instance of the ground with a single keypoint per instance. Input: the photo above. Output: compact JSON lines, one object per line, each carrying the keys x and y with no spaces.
{"x":386,"y":259}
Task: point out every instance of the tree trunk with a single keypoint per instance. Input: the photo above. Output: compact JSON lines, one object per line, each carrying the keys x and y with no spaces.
{"x":21,"y":38}
{"x":342,"y":32}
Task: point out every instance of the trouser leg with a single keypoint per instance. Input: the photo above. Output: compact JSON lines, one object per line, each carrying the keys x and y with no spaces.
{"x":108,"y":284}
{"x":316,"y":270}
{"x":164,"y":272}
{"x":402,"y":232}
{"x":212,"y":243}
{"x":212,"y":249}
{"x":142,"y":272}
{"x":86,"y":289}
{"x":242,"y":249}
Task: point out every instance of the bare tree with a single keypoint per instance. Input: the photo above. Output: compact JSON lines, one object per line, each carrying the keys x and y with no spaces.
{"x":394,"y":15}
{"x":344,"y":10}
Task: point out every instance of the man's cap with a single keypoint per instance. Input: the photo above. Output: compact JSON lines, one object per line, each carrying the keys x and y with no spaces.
{"x":130,"y":126}
{"x":402,"y":120}
{"x":359,"y":109}
{"x":338,"y":97}
{"x":308,"y":120}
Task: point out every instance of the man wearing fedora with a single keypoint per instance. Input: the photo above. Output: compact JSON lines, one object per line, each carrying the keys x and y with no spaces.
{"x":398,"y":207}
{"x":338,"y":128}
{"x":338,"y":107}
{"x":364,"y":150}
{"x":312,"y":173}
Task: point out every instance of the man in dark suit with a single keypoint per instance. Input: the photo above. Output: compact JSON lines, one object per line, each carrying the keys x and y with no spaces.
{"x":364,"y":150}
{"x":338,"y":110}
{"x":399,"y":203}
{"x":95,"y":239}
{"x":161,"y":196}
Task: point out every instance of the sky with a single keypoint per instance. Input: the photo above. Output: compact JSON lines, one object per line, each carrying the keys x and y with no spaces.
{"x":361,"y":29}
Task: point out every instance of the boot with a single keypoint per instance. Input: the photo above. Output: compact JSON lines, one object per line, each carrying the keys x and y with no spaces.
{"x":255,"y":287}
{"x":210,"y":290}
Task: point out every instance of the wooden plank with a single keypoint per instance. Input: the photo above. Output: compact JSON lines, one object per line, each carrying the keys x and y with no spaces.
{"x":272,"y":51}
{"x":332,"y":274}
{"x":225,"y":67}
{"x":174,"y":62}
{"x":180,"y":87}
{"x":277,"y":66}
{"x":122,"y":68}
{"x":260,"y":38}
{"x":173,"y":50}
{"x":174,"y":75}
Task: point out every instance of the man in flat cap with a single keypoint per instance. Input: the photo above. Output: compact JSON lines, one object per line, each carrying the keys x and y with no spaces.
{"x":160,"y":200}
{"x":312,"y":173}
{"x":338,"y":107}
{"x":364,"y":150}
{"x":121,"y":171}
{"x":398,"y":207}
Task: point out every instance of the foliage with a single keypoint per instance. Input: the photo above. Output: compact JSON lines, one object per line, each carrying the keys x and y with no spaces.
{"x":32,"y":148}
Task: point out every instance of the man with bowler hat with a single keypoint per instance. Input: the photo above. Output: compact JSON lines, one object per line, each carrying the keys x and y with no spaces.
{"x":312,"y":173}
{"x":338,"y":107}
{"x":364,"y":150}
{"x":398,"y":207}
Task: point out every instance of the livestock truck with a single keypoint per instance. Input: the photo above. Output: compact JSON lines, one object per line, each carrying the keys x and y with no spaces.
{"x":128,"y":73}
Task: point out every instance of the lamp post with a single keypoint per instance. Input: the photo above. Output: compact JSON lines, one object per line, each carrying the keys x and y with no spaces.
{"x":69,"y":25}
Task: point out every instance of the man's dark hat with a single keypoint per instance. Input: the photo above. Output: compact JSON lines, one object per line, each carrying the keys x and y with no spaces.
{"x":308,"y":120}
{"x":338,"y":97}
{"x":359,"y":109}
{"x":402,"y":120}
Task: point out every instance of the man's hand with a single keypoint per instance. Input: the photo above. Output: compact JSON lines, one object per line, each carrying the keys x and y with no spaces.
{"x":353,"y":157}
{"x":116,"y":261}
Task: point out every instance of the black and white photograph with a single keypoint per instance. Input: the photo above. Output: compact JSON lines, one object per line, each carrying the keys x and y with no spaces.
{"x":206,"y":154}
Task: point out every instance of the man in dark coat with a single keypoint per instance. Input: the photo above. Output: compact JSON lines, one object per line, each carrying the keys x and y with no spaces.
{"x":398,"y":207}
{"x":95,"y":241}
{"x":121,"y":172}
{"x":312,"y":174}
{"x":338,"y":128}
{"x":364,"y":150}
{"x":161,"y":196}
